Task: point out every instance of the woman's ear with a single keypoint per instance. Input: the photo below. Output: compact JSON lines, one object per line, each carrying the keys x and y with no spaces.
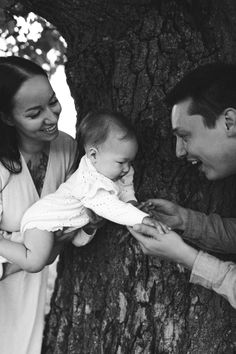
{"x":6,"y":119}
{"x":230,"y":121}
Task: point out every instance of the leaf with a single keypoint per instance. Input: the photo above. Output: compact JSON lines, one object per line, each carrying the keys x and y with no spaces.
{"x":6,"y":3}
{"x":11,"y":26}
{"x":3,"y":17}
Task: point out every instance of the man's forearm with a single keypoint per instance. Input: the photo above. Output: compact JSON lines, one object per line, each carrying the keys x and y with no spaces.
{"x":216,"y":275}
{"x":211,"y":232}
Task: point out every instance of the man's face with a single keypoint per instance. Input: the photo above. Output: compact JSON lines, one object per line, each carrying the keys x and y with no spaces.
{"x":211,"y":149}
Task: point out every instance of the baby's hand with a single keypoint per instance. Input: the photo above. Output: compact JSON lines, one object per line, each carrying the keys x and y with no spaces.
{"x":160,"y":227}
{"x":134,"y":203}
{"x":146,"y":207}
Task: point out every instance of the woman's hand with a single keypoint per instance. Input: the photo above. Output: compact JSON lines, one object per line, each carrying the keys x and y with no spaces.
{"x":10,"y":268}
{"x":165,"y":245}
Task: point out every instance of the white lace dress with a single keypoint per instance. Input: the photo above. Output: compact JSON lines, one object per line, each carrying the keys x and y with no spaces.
{"x":86,"y":188}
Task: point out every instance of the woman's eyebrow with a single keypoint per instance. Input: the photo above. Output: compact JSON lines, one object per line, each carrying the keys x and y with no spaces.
{"x":38,"y":106}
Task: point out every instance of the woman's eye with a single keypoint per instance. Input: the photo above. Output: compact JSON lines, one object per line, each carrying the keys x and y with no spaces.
{"x":35,"y":115}
{"x":54,"y":102}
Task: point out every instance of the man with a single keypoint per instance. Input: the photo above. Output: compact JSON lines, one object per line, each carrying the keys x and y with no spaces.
{"x":204,"y":123}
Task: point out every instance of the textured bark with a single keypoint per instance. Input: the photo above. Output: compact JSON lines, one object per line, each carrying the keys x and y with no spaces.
{"x":126,"y":55}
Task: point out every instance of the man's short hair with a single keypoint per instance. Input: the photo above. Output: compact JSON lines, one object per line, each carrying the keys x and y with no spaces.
{"x":211,"y":88}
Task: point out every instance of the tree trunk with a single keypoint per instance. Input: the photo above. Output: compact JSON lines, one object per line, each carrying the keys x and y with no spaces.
{"x":126,"y":55}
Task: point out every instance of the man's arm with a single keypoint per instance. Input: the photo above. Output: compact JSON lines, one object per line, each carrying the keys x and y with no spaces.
{"x":207,"y":270}
{"x":211,"y":232}
{"x":216,"y":275}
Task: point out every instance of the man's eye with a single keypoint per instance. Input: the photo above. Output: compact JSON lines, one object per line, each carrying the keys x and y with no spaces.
{"x":184,"y":138}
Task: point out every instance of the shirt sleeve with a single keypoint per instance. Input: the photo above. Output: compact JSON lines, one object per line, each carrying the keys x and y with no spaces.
{"x":108,"y":206}
{"x":127,"y":187}
{"x":211,"y":232}
{"x":216,"y":275}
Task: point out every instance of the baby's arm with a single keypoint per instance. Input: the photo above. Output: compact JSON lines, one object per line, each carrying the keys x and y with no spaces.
{"x":108,"y":206}
{"x":31,"y":256}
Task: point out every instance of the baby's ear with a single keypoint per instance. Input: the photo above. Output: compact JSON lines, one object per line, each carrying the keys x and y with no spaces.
{"x":92,"y":154}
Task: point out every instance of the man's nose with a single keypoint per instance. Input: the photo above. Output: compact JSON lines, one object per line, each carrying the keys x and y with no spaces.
{"x":180,"y":148}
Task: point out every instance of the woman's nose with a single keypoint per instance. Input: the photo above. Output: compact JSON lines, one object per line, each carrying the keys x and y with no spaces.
{"x":180,"y":148}
{"x":51,"y":117}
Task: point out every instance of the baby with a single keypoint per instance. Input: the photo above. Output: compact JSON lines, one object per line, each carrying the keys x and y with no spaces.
{"x":103,"y":183}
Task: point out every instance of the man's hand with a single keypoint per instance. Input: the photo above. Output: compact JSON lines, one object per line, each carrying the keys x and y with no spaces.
{"x":159,"y":226}
{"x":168,"y":245}
{"x":167,"y":212}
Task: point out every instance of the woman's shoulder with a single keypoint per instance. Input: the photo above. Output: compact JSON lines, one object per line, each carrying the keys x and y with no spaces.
{"x":64,"y":137}
{"x":64,"y":142}
{"x":4,"y":175}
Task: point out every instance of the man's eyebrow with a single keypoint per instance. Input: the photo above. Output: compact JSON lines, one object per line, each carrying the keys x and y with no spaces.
{"x":178,"y":131}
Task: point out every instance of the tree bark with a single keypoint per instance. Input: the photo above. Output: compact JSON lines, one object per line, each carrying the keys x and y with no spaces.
{"x":126,"y":55}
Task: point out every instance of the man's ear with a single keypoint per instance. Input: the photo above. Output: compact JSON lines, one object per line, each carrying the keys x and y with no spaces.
{"x":230,"y":121}
{"x":92,"y":154}
{"x":6,"y":119}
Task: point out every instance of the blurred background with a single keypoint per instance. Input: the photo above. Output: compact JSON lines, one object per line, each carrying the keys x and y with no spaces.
{"x":36,"y":39}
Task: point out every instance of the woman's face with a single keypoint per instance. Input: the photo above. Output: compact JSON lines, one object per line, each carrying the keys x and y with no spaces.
{"x":36,"y":111}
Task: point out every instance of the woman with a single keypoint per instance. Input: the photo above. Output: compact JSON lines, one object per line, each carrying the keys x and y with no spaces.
{"x":35,"y":158}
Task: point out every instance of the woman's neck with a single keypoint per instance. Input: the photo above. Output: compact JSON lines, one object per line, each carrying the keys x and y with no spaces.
{"x":32,"y":148}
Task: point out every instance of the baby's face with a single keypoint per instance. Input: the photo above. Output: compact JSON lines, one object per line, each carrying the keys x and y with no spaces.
{"x":114,"y":156}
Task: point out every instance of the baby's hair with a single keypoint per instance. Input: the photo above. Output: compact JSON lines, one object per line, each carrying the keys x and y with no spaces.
{"x":95,"y":127}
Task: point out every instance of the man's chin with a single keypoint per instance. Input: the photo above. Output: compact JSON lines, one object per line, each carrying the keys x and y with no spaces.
{"x":213,"y":175}
{"x":208,"y":173}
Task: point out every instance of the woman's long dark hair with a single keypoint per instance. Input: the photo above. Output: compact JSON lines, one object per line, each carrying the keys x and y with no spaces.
{"x":14,"y":71}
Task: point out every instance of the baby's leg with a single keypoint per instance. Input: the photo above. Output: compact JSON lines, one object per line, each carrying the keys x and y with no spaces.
{"x":39,"y":244}
{"x":33,"y":254}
